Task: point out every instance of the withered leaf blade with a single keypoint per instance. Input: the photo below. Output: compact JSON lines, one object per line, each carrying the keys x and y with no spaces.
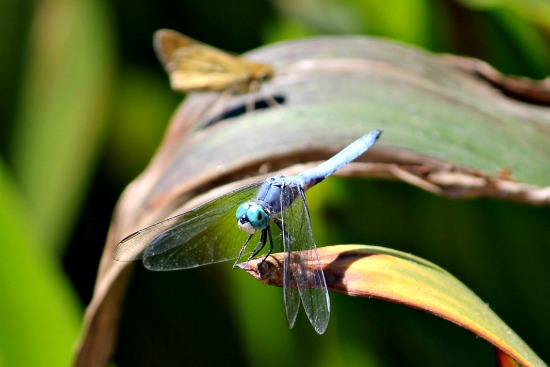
{"x":372,"y":271}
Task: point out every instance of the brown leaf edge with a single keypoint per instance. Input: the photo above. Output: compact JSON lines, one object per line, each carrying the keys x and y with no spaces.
{"x":520,"y":88}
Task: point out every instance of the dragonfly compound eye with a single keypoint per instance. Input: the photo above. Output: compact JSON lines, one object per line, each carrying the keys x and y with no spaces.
{"x":252,"y":217}
{"x":242,"y":209}
{"x":257,"y":217}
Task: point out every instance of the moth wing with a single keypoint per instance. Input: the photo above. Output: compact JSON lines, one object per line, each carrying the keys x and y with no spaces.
{"x":194,"y":66}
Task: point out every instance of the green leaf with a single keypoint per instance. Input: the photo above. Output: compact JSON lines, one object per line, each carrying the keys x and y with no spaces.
{"x":535,"y":11}
{"x":62,"y":112}
{"x":39,"y":312}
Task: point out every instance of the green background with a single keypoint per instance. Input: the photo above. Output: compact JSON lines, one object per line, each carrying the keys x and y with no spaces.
{"x":84,"y":105}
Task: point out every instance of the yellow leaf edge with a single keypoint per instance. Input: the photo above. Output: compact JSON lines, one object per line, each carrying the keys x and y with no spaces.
{"x":379,"y":272}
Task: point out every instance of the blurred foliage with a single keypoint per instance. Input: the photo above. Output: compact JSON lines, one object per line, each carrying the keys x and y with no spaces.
{"x":39,"y":314}
{"x":84,"y":105}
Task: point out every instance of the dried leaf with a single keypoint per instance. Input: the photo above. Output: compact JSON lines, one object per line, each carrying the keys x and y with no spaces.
{"x":369,"y":271}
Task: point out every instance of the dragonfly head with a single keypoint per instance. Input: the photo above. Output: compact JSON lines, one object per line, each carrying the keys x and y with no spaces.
{"x":252,"y":217}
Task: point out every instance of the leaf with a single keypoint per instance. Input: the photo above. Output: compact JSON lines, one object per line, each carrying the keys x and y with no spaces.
{"x":371,"y":271}
{"x":60,"y":122}
{"x":39,"y":312}
{"x":523,"y":89}
{"x":536,"y":11}
{"x":444,"y":131}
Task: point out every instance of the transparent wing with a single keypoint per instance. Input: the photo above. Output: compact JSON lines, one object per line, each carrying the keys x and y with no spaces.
{"x":303,"y":275}
{"x":204,"y":235}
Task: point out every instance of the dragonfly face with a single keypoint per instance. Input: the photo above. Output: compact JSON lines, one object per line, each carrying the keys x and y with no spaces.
{"x":252,"y":217}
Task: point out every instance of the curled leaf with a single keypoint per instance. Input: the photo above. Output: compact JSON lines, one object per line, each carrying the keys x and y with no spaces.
{"x":370,"y":271}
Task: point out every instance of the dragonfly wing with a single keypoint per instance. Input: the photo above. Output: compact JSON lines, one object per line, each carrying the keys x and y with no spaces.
{"x":303,"y":274}
{"x":204,"y":235}
{"x":291,"y":293}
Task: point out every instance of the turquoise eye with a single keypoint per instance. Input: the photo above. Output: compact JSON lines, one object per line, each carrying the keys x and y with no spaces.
{"x":257,"y":217}
{"x":242,"y":209}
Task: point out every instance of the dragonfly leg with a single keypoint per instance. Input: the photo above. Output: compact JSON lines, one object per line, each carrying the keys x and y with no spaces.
{"x":268,"y":230}
{"x":261,"y":244}
{"x":242,"y":250}
{"x":266,"y":233}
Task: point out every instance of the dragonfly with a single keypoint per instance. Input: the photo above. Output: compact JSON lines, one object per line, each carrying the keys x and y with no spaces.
{"x":225,"y":228}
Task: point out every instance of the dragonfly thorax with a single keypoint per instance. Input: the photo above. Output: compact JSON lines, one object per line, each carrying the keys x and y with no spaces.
{"x":252,"y":217}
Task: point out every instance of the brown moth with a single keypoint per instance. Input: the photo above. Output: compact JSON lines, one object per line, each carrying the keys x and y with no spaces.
{"x":195,"y":67}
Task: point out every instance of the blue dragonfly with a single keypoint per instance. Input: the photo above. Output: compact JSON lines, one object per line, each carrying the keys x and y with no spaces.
{"x":274,"y":208}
